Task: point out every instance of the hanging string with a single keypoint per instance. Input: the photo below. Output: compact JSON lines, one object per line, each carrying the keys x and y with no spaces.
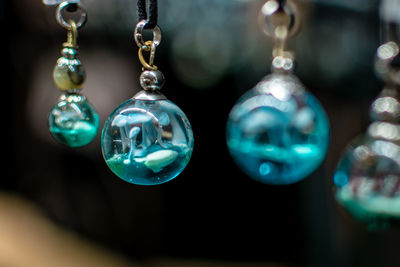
{"x":153,"y":12}
{"x":72,"y":7}
{"x":281,"y":3}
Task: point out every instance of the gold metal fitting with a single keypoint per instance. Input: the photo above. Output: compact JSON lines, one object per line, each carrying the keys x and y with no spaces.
{"x":150,"y":46}
{"x":72,"y":35}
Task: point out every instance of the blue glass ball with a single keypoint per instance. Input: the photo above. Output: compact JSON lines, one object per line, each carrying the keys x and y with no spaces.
{"x":367,"y":179}
{"x":147,"y":142}
{"x":278,"y":133}
{"x":73,"y":121}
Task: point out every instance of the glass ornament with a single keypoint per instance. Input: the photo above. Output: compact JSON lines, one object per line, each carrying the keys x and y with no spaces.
{"x":278,"y":133}
{"x":367,"y":179}
{"x":147,"y":142}
{"x":73,"y":121}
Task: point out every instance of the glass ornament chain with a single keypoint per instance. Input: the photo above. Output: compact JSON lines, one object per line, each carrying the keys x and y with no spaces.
{"x":367,"y":178}
{"x":278,"y":133}
{"x":148,"y":46}
{"x":147,"y":140}
{"x":73,"y":121}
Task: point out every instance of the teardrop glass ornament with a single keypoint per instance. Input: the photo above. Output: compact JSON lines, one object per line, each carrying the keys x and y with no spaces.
{"x":73,"y":121}
{"x":278,"y":133}
{"x":147,"y":142}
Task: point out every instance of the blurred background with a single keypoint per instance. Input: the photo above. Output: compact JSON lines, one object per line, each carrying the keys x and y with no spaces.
{"x":64,"y":207}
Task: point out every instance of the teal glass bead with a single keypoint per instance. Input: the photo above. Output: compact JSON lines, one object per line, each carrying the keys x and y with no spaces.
{"x":147,"y":142}
{"x":367,"y":179}
{"x":278,"y":133}
{"x":73,"y":121}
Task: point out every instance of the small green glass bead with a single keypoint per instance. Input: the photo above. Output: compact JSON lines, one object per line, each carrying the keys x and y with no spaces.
{"x":69,"y":74}
{"x":73,"y":121}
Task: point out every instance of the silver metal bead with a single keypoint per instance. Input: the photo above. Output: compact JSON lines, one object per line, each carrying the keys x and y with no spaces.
{"x":152,"y":80}
{"x":387,"y":106}
{"x":282,"y":64}
{"x":386,"y":53}
{"x":69,"y":52}
{"x":384,"y":131}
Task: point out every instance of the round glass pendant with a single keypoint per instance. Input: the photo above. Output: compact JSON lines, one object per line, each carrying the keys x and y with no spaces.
{"x":147,"y":142}
{"x":73,"y":121}
{"x":278,"y":133}
{"x":367,"y":180}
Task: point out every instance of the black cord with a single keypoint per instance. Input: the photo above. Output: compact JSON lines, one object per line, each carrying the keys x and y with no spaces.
{"x":72,"y":7}
{"x":153,"y":12}
{"x":282,"y":4}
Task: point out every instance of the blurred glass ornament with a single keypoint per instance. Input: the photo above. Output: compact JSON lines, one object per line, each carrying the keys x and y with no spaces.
{"x":367,"y":179}
{"x":278,"y":133}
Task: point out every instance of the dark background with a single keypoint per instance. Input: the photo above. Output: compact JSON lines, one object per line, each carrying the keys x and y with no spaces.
{"x":211,"y":53}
